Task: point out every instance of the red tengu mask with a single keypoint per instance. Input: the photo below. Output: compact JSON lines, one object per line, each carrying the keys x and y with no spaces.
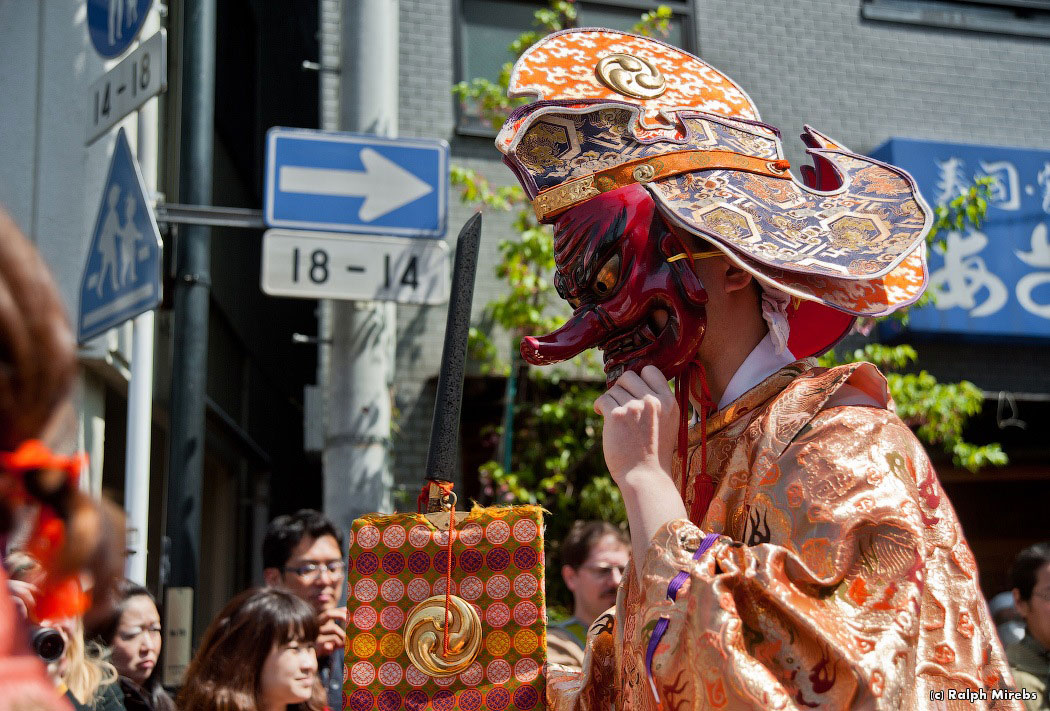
{"x":611,"y":255}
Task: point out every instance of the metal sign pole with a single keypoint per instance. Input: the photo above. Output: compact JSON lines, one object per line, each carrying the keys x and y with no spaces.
{"x":140,"y":389}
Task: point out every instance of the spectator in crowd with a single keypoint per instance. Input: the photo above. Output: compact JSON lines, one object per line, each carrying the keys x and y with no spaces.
{"x":594,"y":555}
{"x":1030,"y":658}
{"x":256,"y":655}
{"x":1009,"y":624}
{"x":302,"y":553}
{"x":133,"y":635}
{"x":82,"y":673}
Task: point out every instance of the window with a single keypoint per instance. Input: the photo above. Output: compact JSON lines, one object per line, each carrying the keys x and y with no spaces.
{"x":487,"y":28}
{"x":1027,"y":18}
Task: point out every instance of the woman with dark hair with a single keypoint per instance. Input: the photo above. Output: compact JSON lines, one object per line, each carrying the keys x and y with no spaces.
{"x":132,"y":633}
{"x":257,"y":655}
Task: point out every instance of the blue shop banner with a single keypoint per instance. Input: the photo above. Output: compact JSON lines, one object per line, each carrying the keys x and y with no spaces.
{"x":994,"y":280}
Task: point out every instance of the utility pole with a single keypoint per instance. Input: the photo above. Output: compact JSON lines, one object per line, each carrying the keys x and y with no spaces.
{"x":140,"y":388}
{"x":192,"y":291}
{"x":357,"y":477}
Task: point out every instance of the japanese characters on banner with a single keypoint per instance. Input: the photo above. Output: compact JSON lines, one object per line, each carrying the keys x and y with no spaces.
{"x":994,"y":280}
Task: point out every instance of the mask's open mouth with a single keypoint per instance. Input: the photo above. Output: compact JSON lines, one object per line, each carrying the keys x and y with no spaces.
{"x":632,"y":344}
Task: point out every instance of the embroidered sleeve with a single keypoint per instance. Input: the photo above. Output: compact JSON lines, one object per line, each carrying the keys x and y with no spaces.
{"x":844,"y":582}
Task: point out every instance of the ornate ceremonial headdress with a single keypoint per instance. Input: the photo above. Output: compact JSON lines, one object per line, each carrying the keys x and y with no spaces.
{"x":658,"y":132}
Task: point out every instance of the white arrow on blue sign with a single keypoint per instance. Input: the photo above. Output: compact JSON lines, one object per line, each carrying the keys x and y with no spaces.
{"x":122,"y":275}
{"x":344,"y":182}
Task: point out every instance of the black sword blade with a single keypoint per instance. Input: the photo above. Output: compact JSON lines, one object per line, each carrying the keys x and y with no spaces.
{"x":444,"y":432}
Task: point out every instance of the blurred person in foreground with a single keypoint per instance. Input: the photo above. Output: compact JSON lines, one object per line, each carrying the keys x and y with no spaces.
{"x":81,"y":672}
{"x":302,"y":553}
{"x":1030,"y":658}
{"x":42,"y":510}
{"x":256,"y":655}
{"x":133,"y":635}
{"x":593,"y":555}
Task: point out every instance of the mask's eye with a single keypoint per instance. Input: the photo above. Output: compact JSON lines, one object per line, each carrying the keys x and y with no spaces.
{"x":607,"y":276}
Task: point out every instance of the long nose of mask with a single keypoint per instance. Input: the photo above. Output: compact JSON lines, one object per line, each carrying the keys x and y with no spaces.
{"x":584,"y":330}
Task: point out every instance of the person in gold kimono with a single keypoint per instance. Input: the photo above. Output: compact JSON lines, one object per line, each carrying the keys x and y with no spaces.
{"x":792,"y":546}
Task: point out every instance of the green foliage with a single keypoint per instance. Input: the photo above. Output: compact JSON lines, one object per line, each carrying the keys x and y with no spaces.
{"x":655,"y":23}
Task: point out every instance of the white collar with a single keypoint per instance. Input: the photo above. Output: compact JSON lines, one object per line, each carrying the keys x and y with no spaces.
{"x":762,"y":362}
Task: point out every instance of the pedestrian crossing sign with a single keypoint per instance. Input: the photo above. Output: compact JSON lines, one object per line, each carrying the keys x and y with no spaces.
{"x":122,"y":275}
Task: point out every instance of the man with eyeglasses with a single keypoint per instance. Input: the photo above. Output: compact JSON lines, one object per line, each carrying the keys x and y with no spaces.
{"x":594,"y":555}
{"x":302,"y":553}
{"x":1030,"y":658}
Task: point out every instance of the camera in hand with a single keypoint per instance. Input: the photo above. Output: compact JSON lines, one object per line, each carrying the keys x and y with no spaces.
{"x":48,"y":644}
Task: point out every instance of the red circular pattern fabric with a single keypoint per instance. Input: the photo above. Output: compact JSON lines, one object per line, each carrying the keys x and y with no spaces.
{"x":470,"y":700}
{"x":365,"y":618}
{"x":368,"y":537}
{"x":526,"y":585}
{"x":471,"y":534}
{"x":362,"y":673}
{"x":497,"y":699}
{"x":397,"y":563}
{"x":389,"y":700}
{"x":394,"y":536}
{"x":392,"y":618}
{"x":525,"y":558}
{"x":439,"y":587}
{"x":497,"y":559}
{"x":416,"y":700}
{"x":419,"y":562}
{"x":473,"y":674}
{"x":525,"y":670}
{"x":415,"y":677}
{"x":441,"y":561}
{"x":471,"y":561}
{"x":418,"y":590}
{"x":498,"y":671}
{"x":525,"y":531}
{"x":393,"y":563}
{"x":471,"y":588}
{"x":419,"y":536}
{"x":526,"y":613}
{"x":497,"y":532}
{"x":498,"y":587}
{"x":525,"y":698}
{"x":444,"y":700}
{"x":367,"y":563}
{"x":366,"y":590}
{"x":360,"y":700}
{"x":393,"y":589}
{"x":390,"y":673}
{"x":498,"y":614}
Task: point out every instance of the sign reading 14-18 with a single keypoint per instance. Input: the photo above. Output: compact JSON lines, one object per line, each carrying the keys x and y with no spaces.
{"x":340,"y":182}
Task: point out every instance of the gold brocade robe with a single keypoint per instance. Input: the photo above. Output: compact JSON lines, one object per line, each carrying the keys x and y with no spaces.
{"x":840,"y":579}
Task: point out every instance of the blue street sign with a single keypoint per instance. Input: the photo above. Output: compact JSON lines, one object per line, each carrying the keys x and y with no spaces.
{"x":122,"y":275}
{"x":344,"y":182}
{"x":993,"y":280}
{"x":114,"y":24}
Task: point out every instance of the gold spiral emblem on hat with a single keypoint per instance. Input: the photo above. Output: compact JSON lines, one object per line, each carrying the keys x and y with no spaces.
{"x":644,"y":173}
{"x":425,"y":636}
{"x":631,"y":76}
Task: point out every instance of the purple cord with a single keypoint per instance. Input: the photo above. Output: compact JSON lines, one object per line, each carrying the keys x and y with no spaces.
{"x":664,"y":622}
